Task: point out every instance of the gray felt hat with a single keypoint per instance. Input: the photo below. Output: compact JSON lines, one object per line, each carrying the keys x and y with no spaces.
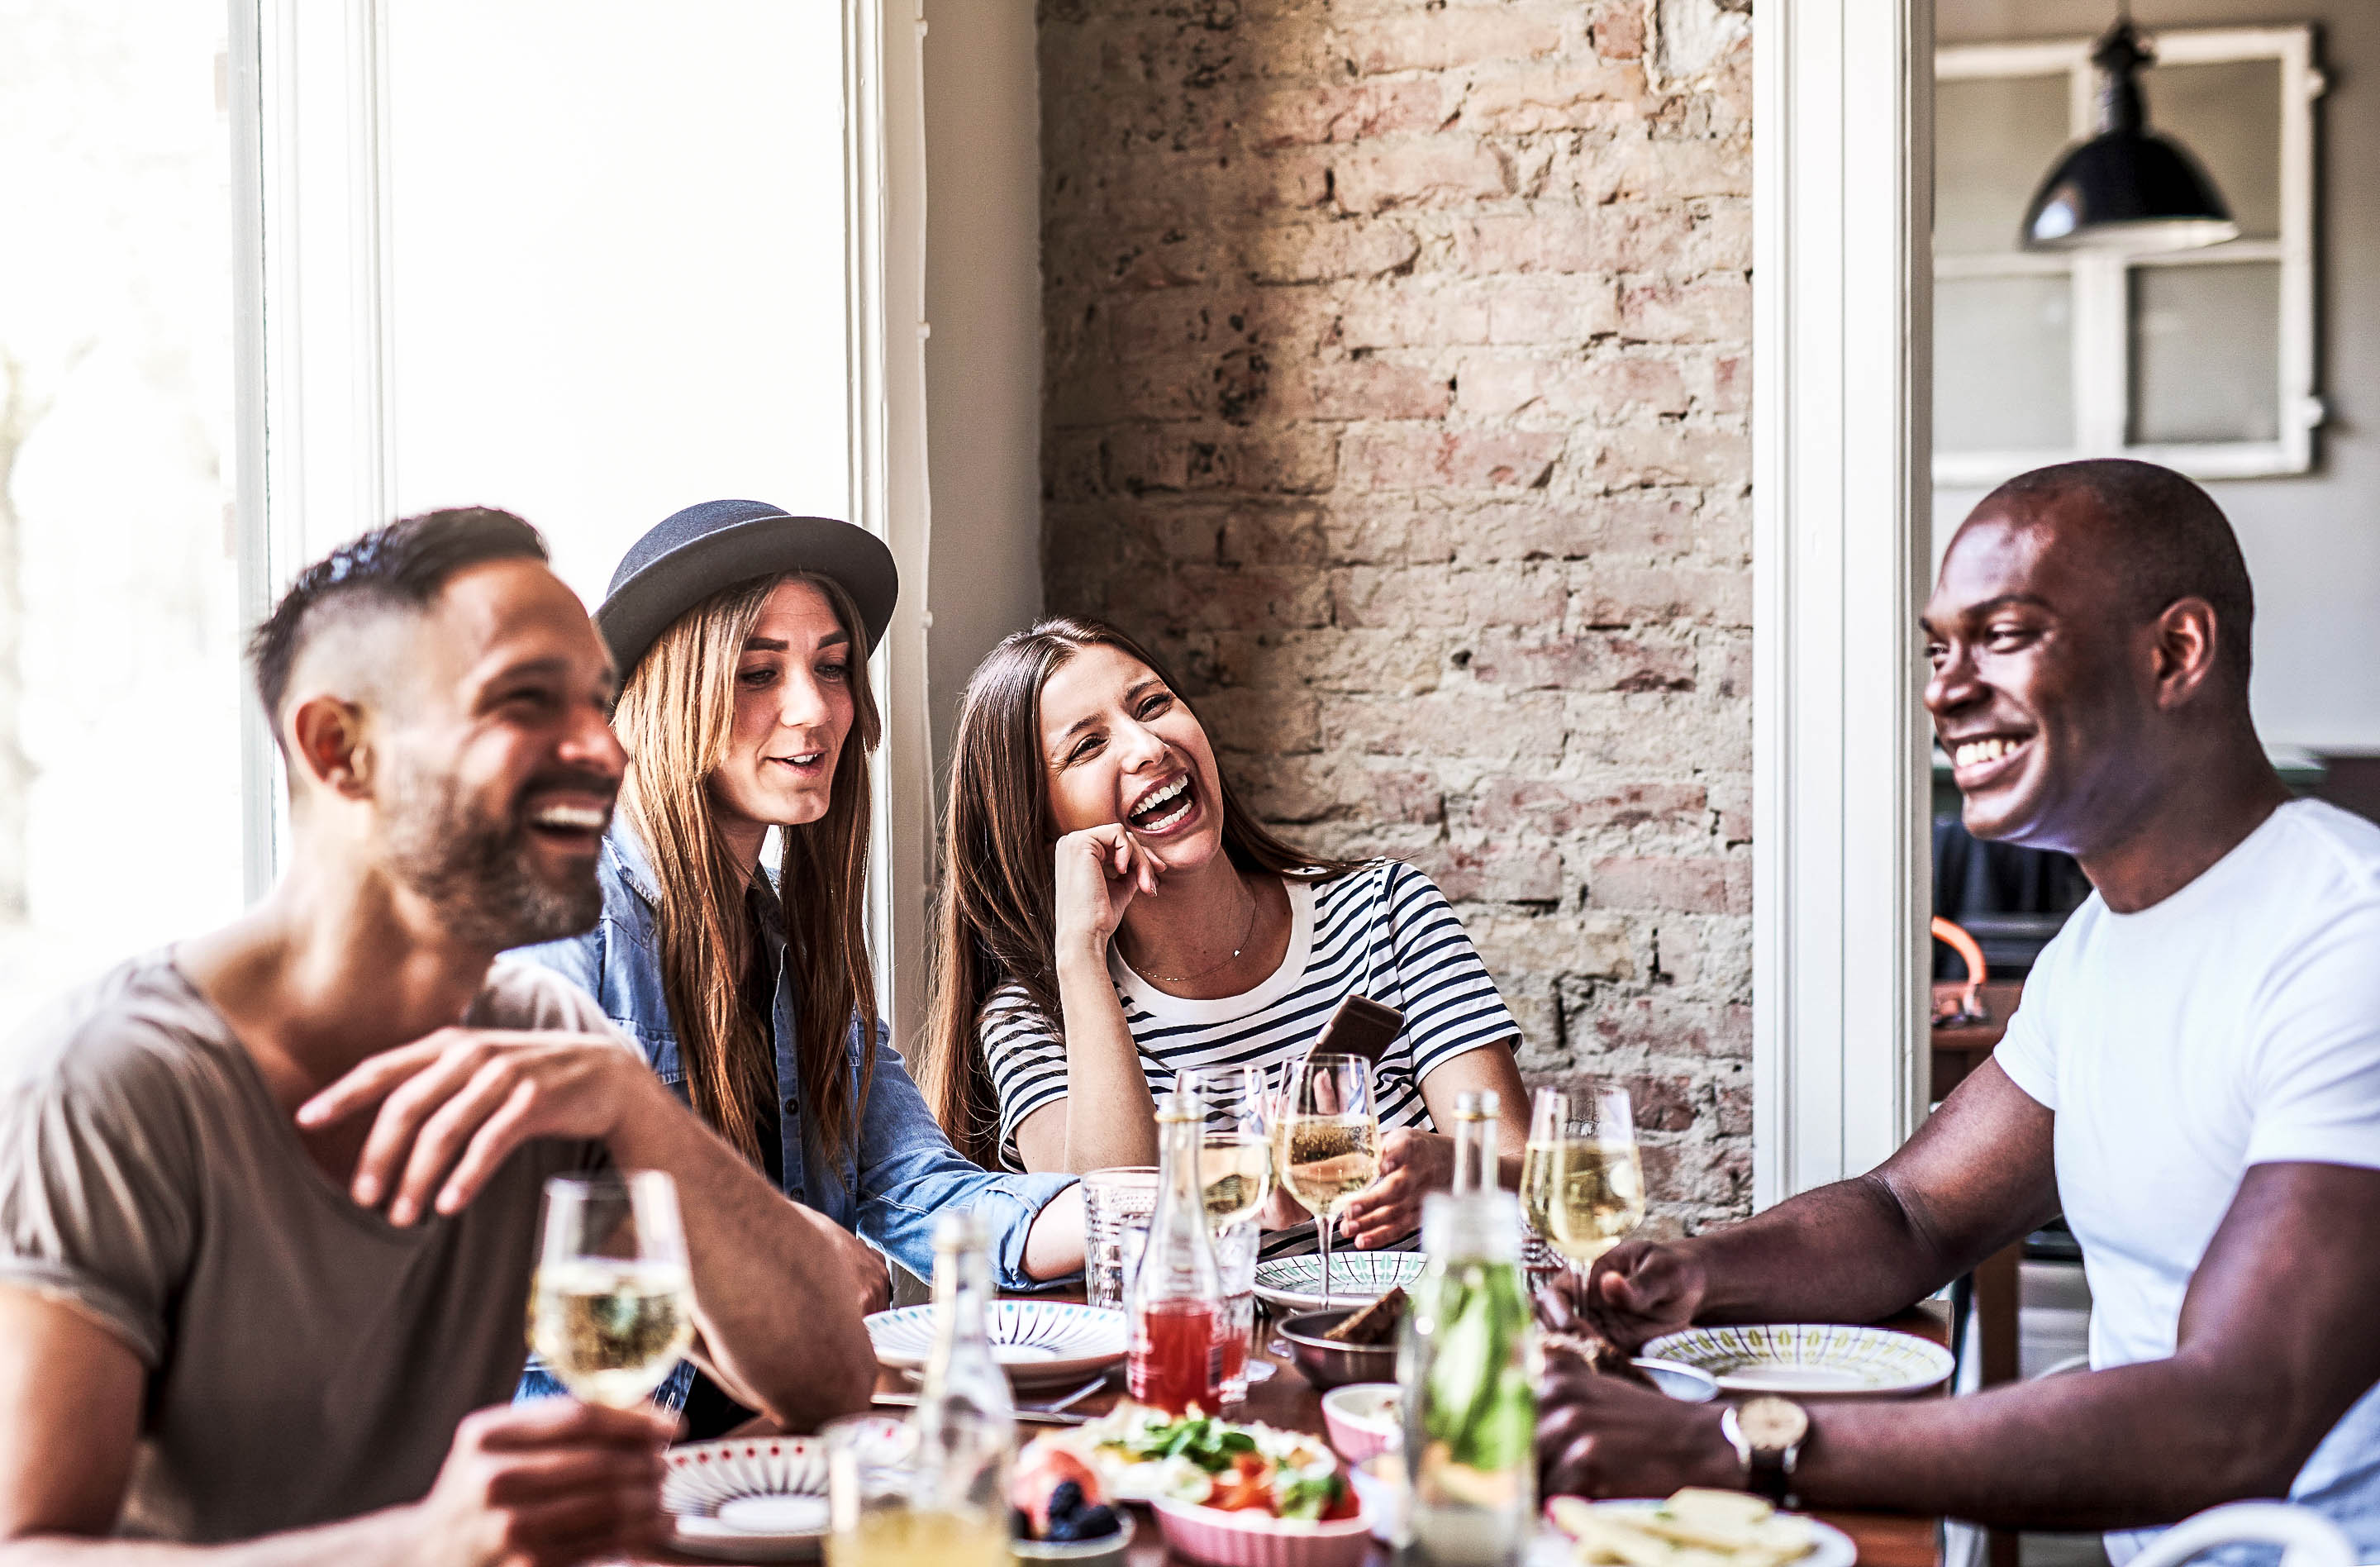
{"x":691,"y":554}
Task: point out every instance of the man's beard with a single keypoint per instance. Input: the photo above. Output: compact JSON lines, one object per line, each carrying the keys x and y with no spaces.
{"x":477,"y":872}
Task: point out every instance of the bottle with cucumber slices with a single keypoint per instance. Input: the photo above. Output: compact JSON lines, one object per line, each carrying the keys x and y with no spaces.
{"x":1467,"y":1368}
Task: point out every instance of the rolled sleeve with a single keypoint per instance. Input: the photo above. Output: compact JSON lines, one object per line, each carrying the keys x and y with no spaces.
{"x":910,"y":1173}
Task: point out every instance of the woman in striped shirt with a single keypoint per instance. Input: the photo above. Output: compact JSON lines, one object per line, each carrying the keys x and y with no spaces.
{"x":1111,"y":915}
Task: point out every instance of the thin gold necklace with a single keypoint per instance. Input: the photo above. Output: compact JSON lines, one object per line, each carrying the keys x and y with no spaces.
{"x":1246,"y":933}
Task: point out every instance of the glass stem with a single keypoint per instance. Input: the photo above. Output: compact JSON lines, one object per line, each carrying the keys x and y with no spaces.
{"x":1322,"y":1238}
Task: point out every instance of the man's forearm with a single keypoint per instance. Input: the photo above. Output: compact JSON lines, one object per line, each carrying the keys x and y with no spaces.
{"x":779,"y":1324}
{"x":2136,"y":1446}
{"x":1849,"y":1252}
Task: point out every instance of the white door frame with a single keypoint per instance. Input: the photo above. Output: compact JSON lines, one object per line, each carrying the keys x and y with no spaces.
{"x":885,"y":160}
{"x":1841,"y":299}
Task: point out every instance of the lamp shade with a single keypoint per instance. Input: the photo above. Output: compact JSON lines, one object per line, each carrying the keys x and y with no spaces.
{"x":2127,"y":189}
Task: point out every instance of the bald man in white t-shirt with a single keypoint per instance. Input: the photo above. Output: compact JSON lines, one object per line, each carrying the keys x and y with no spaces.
{"x":2193,"y":1079}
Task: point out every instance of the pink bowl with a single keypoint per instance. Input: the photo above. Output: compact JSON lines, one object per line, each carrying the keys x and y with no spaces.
{"x":1259,"y":1539}
{"x":1362,"y":1418}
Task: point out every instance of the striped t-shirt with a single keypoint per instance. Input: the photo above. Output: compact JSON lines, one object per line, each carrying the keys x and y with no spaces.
{"x":1382,"y":930}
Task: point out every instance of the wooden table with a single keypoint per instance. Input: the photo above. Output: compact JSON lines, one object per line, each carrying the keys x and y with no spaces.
{"x":1284,"y":1399}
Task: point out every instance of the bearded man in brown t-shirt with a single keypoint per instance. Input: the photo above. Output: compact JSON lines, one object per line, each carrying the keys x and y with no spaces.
{"x":269,"y":1198}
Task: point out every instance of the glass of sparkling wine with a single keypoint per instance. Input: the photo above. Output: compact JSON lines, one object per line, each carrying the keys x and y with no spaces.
{"x":1326,"y":1141}
{"x":1236,"y":1176}
{"x":612,"y":1308}
{"x":1582,"y":1182}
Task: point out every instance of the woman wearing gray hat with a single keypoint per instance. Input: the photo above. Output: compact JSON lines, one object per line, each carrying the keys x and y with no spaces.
{"x":742,"y":635}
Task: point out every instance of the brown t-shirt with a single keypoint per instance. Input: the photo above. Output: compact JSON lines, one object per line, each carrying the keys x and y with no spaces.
{"x":306,"y":1360}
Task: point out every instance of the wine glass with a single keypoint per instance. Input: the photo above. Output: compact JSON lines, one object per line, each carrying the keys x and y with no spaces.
{"x":1581,"y":1181}
{"x":1326,"y":1142}
{"x":612,"y":1308}
{"x":1236,"y":1175}
{"x":1235,"y":1159}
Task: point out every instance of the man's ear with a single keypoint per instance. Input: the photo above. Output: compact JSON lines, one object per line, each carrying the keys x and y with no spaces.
{"x":2186,"y":643}
{"x":329,"y":743}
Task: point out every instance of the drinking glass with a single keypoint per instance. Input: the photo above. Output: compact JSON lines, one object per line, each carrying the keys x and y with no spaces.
{"x":612,"y":1310}
{"x":896,"y":1500}
{"x":1581,"y":1181}
{"x":1112,"y":1200}
{"x":1326,"y":1141}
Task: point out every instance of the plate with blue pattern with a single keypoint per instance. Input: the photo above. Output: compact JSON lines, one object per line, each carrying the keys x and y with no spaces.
{"x":1038,"y":1342}
{"x":1294,"y":1284}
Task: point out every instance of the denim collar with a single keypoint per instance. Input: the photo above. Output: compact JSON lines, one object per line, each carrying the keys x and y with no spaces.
{"x":626,"y":855}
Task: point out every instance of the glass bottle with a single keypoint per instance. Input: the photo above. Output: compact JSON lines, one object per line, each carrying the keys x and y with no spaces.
{"x":1466,"y":1366}
{"x":1176,"y":1298}
{"x":966,"y":1419}
{"x":1475,"y":1141}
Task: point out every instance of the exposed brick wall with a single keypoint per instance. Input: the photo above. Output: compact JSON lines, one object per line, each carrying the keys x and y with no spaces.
{"x":1396,"y":384}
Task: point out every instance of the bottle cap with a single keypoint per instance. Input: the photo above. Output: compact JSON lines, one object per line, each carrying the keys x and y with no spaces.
{"x":1483,"y":1226}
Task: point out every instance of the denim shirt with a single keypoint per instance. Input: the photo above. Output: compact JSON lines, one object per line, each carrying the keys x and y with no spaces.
{"x":900,"y":1171}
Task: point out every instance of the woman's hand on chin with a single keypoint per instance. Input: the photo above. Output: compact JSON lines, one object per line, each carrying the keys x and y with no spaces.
{"x":1412,"y":1164}
{"x":1100,"y":872}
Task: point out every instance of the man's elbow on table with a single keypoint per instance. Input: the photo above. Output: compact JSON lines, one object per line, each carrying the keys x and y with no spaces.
{"x":826,"y":1373}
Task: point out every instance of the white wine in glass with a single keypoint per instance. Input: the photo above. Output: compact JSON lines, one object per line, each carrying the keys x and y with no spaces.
{"x":612,"y":1311}
{"x":1326,"y":1144}
{"x":1235,"y":1159}
{"x":1235,"y":1172}
{"x":1581,"y":1181}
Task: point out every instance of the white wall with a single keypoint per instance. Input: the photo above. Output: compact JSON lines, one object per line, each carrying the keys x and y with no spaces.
{"x":2313,"y":543}
{"x":983,"y":362}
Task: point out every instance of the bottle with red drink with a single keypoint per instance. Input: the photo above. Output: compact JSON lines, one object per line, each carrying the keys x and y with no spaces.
{"x":1177,"y":1299}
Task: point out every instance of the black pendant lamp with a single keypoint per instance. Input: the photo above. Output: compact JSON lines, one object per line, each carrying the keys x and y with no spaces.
{"x":2127,"y":189}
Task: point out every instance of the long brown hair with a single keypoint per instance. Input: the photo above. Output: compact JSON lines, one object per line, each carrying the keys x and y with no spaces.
{"x":676,"y":715}
{"x":997,"y":916}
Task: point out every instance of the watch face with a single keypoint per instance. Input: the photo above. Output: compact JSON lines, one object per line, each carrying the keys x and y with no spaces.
{"x":1772,"y":1424}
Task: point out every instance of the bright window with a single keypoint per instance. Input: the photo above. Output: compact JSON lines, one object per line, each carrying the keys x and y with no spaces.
{"x":121,"y":622}
{"x":2200,"y":359}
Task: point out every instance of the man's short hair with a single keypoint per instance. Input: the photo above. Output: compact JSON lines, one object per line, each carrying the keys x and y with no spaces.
{"x":2165,"y":538}
{"x":401,"y":566}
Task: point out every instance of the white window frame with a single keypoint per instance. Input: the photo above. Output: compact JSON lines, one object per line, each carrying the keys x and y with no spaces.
{"x":1843,"y":175}
{"x":2102,"y":359}
{"x":309,"y":90}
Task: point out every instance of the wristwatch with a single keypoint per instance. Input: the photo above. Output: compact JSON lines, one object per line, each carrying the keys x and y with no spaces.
{"x":1767,"y":1433}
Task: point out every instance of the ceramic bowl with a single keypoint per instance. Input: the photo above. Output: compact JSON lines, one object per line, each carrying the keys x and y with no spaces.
{"x":1362,"y":1418}
{"x":1329,"y":1365}
{"x":1041,"y":1344}
{"x":1259,"y":1539}
{"x":1808,"y":1360}
{"x":1106,"y":1552}
{"x":1294,"y":1284}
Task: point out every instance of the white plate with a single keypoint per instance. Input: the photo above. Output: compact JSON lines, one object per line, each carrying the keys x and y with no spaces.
{"x":1039,"y":1342}
{"x":734,"y":1500}
{"x":1808,"y":1359}
{"x":1829,"y":1546}
{"x":1294,"y":1284}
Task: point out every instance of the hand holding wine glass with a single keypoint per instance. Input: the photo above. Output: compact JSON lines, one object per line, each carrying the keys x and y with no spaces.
{"x":1327,"y":1141}
{"x":612,"y":1308}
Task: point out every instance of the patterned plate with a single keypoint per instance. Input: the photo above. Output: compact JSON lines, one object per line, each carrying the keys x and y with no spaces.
{"x":1294,"y":1284}
{"x":1808,"y":1359}
{"x":784,"y":1478}
{"x":1042,"y":1343}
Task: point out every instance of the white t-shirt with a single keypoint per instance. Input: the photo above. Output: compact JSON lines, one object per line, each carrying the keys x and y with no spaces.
{"x":1382,"y":930}
{"x":2236,"y":1023}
